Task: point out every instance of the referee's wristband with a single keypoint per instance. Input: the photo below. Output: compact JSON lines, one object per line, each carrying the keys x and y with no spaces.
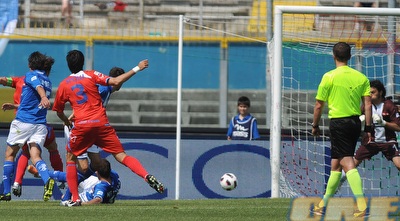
{"x":136,"y":69}
{"x":368,"y":128}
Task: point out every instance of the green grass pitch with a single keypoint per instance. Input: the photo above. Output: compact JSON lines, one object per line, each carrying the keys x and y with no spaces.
{"x":206,"y":209}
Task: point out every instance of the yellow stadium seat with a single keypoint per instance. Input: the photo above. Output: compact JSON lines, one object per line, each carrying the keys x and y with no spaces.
{"x":258,"y":22}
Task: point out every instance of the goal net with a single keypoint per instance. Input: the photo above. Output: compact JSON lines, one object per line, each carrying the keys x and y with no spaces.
{"x":300,"y":54}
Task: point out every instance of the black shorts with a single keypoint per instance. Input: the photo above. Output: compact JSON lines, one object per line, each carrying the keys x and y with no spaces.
{"x":344,"y":134}
{"x":389,"y":150}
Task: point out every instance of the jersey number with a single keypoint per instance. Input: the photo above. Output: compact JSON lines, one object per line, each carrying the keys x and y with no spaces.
{"x":80,"y":93}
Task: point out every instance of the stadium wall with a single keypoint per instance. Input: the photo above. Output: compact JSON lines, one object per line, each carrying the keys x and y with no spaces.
{"x":202,"y":164}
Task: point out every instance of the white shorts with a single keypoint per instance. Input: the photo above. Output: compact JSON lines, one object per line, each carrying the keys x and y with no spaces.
{"x":21,"y":133}
{"x":87,"y":186}
{"x":92,"y":149}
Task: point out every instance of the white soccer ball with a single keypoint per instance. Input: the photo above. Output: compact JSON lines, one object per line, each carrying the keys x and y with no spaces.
{"x":228,"y":181}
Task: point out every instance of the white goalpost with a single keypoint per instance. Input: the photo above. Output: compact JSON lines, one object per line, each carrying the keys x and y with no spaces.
{"x":301,"y":54}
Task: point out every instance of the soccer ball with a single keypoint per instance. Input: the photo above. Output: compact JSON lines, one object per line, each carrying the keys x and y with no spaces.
{"x":228,"y":181}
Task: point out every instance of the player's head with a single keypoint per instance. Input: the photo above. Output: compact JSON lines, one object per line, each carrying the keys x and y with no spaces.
{"x":103,"y":168}
{"x":115,"y":72}
{"x":378,"y":90}
{"x":75,"y":60}
{"x":342,"y":51}
{"x":48,"y":63}
{"x":243,"y":100}
{"x":36,"y":61}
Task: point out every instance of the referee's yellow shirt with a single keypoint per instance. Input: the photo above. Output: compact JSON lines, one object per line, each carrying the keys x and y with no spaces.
{"x":342,"y":88}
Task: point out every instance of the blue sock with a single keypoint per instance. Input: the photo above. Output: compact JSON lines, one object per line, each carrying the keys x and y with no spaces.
{"x":42,"y":169}
{"x":58,"y":176}
{"x":67,"y":195}
{"x":8,"y":174}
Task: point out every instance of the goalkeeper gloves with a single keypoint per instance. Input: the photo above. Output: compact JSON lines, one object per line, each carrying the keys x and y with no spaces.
{"x":362,"y":119}
{"x":377,"y":119}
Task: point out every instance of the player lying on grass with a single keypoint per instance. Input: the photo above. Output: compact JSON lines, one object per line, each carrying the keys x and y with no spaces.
{"x":102,"y":187}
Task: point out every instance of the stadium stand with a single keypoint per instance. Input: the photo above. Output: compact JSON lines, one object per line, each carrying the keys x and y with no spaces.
{"x":200,"y":108}
{"x":258,"y":20}
{"x":47,"y":13}
{"x":330,"y":23}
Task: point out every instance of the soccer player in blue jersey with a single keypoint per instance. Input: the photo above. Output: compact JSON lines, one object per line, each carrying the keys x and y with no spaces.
{"x":29,"y":125}
{"x":243,"y":126}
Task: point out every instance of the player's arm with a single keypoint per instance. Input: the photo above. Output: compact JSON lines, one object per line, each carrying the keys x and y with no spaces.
{"x":394,"y":121}
{"x":64,"y":118}
{"x":9,"y":106}
{"x":44,"y":101}
{"x":96,"y":200}
{"x":366,"y":100}
{"x":6,"y":81}
{"x":117,"y":81}
{"x":71,"y":117}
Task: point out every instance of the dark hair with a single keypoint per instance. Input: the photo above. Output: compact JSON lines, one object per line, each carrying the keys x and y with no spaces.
{"x":379,"y":86}
{"x":36,"y":61}
{"x":48,"y":63}
{"x":104,"y":168}
{"x":342,"y":51}
{"x":75,"y":60}
{"x":243,"y":100}
{"x":116,"y":71}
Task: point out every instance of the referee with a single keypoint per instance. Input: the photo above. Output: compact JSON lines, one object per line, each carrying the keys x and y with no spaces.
{"x":344,"y":89}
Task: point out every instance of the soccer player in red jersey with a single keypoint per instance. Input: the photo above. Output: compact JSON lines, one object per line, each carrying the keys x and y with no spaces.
{"x":91,"y":124}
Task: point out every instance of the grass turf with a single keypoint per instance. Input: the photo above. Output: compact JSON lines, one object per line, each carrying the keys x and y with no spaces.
{"x":207,"y":209}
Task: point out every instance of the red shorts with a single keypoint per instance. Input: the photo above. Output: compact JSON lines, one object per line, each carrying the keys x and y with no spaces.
{"x":389,"y":149}
{"x":105,"y":137}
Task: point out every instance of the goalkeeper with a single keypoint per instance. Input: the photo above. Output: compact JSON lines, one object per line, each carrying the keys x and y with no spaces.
{"x":386,"y":122}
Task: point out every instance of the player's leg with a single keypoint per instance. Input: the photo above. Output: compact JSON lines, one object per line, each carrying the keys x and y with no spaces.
{"x":84,"y":167}
{"x":361,"y":154}
{"x":19,"y":133}
{"x":54,"y":155}
{"x":51,"y":146}
{"x":20,"y":171}
{"x":72,"y":177}
{"x":41,"y":166}
{"x":8,"y":170}
{"x":35,"y":144}
{"x":110,"y":143}
{"x":391,"y":152}
{"x":396,"y":162}
{"x":84,"y":138}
